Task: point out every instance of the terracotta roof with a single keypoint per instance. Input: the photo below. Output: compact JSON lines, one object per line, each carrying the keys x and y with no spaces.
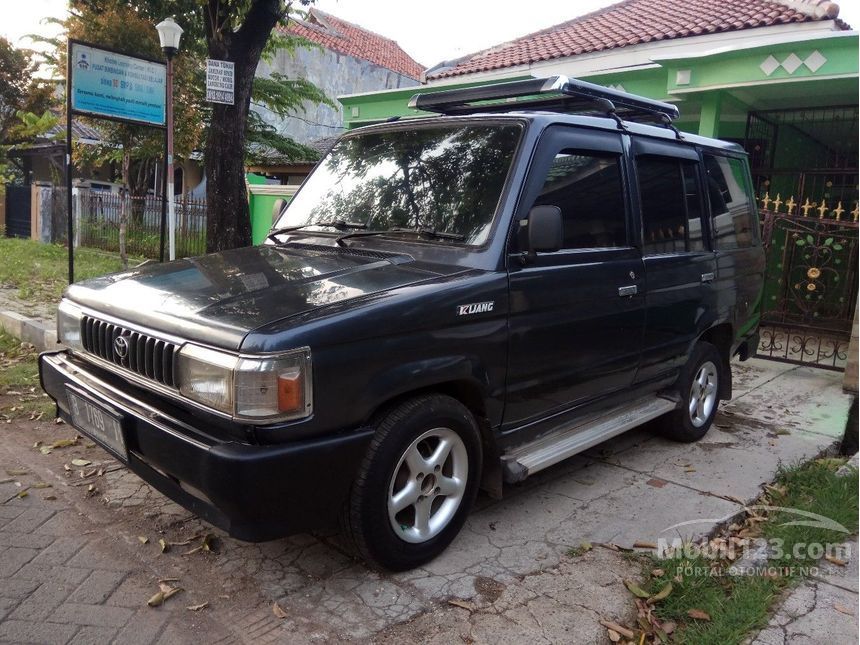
{"x":632,"y":22}
{"x":352,"y":40}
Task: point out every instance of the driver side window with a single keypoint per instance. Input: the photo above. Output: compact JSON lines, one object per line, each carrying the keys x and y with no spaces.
{"x":587,"y":187}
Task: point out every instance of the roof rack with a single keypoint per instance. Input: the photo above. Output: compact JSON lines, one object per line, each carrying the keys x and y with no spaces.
{"x":554,"y":94}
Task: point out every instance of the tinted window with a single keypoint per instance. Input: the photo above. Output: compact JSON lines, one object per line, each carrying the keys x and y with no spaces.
{"x":587,"y":188}
{"x":664,"y":210}
{"x":731,"y":208}
{"x":671,"y":205}
{"x":693,"y":194}
{"x":448,"y":179}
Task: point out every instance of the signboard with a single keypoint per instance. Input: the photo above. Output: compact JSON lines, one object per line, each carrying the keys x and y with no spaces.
{"x":107,"y":84}
{"x":219,"y":81}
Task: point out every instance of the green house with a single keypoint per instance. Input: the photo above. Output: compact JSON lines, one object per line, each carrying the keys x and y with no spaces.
{"x":779,"y":77}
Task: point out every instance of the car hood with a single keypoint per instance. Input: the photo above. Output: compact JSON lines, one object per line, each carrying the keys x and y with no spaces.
{"x":217,"y":299}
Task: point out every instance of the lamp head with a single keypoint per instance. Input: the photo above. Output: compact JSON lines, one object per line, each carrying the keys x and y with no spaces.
{"x":169,"y":34}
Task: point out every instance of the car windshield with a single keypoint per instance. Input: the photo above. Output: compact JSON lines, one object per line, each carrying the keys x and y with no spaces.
{"x":443,"y":181}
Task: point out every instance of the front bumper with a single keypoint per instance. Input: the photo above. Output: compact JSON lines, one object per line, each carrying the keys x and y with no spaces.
{"x":253,"y":492}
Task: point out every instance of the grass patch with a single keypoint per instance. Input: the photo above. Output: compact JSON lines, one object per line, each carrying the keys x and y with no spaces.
{"x":40,"y":271}
{"x":19,"y":381}
{"x":739,"y":604}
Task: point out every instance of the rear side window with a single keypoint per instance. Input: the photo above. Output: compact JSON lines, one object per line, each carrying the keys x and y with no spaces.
{"x":671,"y":205}
{"x":587,"y":187}
{"x":732,"y":215}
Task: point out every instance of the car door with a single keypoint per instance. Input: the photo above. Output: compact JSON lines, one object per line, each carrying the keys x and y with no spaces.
{"x":679,"y":267}
{"x":577,"y":314}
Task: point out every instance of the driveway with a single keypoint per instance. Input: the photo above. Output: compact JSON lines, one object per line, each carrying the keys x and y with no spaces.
{"x":509,"y":571}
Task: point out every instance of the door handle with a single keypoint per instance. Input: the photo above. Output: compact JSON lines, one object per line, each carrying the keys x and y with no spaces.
{"x":708,"y":277}
{"x":630,"y":290}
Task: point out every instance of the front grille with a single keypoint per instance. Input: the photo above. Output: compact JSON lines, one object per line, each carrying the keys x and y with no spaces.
{"x":143,"y":355}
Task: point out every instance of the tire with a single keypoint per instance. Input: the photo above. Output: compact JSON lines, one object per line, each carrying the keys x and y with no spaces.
{"x":699,"y":387}
{"x":397,"y":518}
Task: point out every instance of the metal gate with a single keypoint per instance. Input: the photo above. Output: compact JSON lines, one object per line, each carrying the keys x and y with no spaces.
{"x":810,"y":285}
{"x":17,"y":211}
{"x":805,"y":170}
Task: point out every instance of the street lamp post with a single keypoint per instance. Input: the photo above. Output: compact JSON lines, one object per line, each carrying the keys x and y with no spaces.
{"x":169,"y":34}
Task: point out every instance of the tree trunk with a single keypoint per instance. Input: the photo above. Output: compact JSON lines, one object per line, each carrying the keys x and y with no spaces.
{"x":228,"y":222}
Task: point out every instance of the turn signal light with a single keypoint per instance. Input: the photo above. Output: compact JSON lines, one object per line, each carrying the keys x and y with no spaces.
{"x":290,"y":391}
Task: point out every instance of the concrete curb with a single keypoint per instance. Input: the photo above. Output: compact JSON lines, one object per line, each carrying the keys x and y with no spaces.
{"x":40,"y":335}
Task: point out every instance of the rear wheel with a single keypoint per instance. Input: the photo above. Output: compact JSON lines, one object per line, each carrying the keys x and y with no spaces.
{"x":416,"y":484}
{"x":699,"y":387}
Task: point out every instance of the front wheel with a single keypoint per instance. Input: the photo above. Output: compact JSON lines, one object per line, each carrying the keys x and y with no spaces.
{"x":699,"y":387}
{"x":416,"y":484}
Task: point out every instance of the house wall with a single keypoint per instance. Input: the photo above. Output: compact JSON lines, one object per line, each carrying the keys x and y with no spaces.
{"x":334,"y":74}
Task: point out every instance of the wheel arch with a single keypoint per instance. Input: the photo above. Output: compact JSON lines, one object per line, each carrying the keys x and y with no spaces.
{"x":470,"y":394}
{"x":721,"y":336}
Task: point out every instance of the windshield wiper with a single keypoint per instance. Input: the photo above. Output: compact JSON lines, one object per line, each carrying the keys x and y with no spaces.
{"x":432,"y":232}
{"x":338,"y":224}
{"x":428,"y":232}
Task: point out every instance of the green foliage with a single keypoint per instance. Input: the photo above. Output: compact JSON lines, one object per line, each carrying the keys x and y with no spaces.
{"x":738,"y":604}
{"x":22,"y":99}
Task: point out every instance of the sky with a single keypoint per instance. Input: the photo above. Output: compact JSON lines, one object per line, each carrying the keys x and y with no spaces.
{"x":430,"y":32}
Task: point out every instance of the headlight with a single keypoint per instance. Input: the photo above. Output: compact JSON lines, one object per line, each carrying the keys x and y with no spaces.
{"x":69,"y":325}
{"x":264,"y":389}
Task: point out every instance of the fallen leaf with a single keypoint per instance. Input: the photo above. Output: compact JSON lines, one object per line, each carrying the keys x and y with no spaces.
{"x":202,"y":605}
{"x":81,"y":462}
{"x":613,"y":635}
{"x":65,"y":443}
{"x":208,"y":542}
{"x":40,"y":485}
{"x":698,"y":614}
{"x":842,"y":609}
{"x":66,"y":467}
{"x":835,"y":560}
{"x":626,"y":633}
{"x":279,"y":613}
{"x":635,"y":589}
{"x":156,"y":600}
{"x":657,"y":573}
{"x":23,"y":493}
{"x":45,"y":450}
{"x":17,"y":473}
{"x":462,"y":604}
{"x":50,"y":498}
{"x":689,"y":470}
{"x":165,"y":547}
{"x":656,"y":483}
{"x":143,"y":539}
{"x":644,"y":545}
{"x":669,"y":627}
{"x":662,"y":594}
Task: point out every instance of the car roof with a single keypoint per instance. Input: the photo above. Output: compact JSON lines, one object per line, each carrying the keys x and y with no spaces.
{"x":545,"y":119}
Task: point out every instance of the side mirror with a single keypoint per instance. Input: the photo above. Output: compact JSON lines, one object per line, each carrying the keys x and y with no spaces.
{"x":546,"y":231}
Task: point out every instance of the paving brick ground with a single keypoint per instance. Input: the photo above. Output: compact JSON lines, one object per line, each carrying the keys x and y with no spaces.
{"x":67,"y":577}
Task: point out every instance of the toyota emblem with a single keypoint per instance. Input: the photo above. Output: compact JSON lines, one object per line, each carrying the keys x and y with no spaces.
{"x":120,"y":346}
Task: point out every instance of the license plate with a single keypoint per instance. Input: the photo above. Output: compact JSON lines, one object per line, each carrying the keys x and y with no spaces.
{"x":97,"y":423}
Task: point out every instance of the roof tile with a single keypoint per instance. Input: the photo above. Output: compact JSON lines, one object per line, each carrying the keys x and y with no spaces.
{"x":350,"y":39}
{"x":635,"y":21}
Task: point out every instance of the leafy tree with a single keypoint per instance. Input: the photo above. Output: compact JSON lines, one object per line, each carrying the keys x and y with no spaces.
{"x":22,"y":100}
{"x":241,"y":31}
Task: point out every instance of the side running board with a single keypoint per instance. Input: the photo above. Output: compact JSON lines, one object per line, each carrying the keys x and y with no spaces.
{"x":525,"y":460}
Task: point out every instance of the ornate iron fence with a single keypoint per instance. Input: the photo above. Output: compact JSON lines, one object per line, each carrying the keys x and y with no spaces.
{"x":811,"y":281}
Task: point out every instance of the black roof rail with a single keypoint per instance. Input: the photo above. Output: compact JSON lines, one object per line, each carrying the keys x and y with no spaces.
{"x":553,"y":94}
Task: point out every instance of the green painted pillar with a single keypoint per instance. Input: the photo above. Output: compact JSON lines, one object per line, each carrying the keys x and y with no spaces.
{"x":709,"y":119}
